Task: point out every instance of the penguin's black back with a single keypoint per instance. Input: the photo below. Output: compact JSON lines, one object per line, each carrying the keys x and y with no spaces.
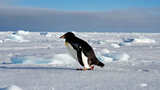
{"x":80,"y":44}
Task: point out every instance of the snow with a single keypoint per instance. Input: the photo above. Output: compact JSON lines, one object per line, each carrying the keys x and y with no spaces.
{"x":22,"y":32}
{"x":105,"y":51}
{"x":62,"y":59}
{"x":43,"y":33}
{"x":1,"y":41}
{"x":16,"y":38}
{"x":30,"y":60}
{"x":57,"y":59}
{"x":43,"y":63}
{"x":115,"y":45}
{"x":114,"y":57}
{"x":121,"y":56}
{"x":143,"y":85}
{"x":12,"y":87}
{"x":130,"y":41}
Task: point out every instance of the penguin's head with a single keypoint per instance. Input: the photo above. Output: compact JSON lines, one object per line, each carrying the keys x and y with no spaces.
{"x":68,"y":35}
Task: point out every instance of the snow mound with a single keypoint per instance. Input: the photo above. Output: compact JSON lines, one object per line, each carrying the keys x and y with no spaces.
{"x":49,"y":35}
{"x":61,"y":59}
{"x":109,"y":57}
{"x":143,"y":85}
{"x":120,"y":56}
{"x":144,"y":40}
{"x":99,"y":42}
{"x":16,"y":38}
{"x":57,"y":59}
{"x":1,"y":41}
{"x":12,"y":87}
{"x":114,"y":45}
{"x":22,"y":32}
{"x":104,"y":51}
{"x":43,"y":33}
{"x":130,"y":41}
{"x":105,"y":58}
{"x":30,"y":60}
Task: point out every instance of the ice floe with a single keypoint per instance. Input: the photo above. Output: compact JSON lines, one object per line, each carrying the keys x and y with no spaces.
{"x":143,"y":84}
{"x":57,"y":59}
{"x":109,"y":57}
{"x":130,"y":41}
{"x":114,"y":45}
{"x":22,"y":32}
{"x":12,"y":87}
{"x":16,"y":38}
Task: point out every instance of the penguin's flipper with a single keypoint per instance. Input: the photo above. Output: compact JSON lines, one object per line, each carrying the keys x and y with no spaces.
{"x":76,"y":46}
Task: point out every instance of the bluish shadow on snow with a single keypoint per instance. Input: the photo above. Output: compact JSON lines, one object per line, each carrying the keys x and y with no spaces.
{"x":38,"y":67}
{"x":110,"y":57}
{"x":29,"y":60}
{"x":57,"y":59}
{"x":130,"y":41}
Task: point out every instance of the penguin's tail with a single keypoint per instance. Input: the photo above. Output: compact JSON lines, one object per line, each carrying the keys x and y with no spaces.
{"x":99,"y":63}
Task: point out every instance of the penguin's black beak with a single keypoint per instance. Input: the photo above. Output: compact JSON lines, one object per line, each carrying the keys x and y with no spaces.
{"x":62,"y":37}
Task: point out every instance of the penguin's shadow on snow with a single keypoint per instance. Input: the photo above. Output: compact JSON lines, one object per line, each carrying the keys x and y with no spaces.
{"x":36,"y":68}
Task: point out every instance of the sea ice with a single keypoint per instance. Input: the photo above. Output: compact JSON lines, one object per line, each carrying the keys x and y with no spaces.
{"x":22,"y":32}
{"x":12,"y":87}
{"x":115,"y":45}
{"x":130,"y":41}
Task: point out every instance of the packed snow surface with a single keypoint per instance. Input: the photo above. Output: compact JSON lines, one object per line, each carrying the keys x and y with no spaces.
{"x":40,"y":61}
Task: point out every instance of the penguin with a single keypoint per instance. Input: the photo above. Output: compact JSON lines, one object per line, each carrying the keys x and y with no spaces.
{"x":81,"y":51}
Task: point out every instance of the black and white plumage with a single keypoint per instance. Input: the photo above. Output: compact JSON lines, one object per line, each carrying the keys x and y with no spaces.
{"x":81,"y":51}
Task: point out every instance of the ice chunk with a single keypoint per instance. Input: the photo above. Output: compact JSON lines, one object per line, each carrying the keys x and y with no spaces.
{"x":1,"y":41}
{"x":104,"y":51}
{"x":43,"y":33}
{"x":12,"y":87}
{"x":62,"y":59}
{"x":120,"y":56}
{"x":30,"y":60}
{"x":16,"y":38}
{"x":144,"y":40}
{"x":101,"y":42}
{"x":115,"y":45}
{"x":22,"y":32}
{"x":130,"y":41}
{"x":105,"y":59}
{"x":143,"y":85}
{"x":58,"y":59}
{"x":109,"y":57}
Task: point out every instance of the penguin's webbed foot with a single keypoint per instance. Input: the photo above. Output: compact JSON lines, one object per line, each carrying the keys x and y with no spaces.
{"x":92,"y":67}
{"x":84,"y":69}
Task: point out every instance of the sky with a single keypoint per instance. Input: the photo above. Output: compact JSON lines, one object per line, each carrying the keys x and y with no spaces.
{"x":83,"y":5}
{"x":80,"y":15}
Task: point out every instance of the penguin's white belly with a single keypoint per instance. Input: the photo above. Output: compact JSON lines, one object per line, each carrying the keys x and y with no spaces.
{"x":73,"y":53}
{"x":85,"y":60}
